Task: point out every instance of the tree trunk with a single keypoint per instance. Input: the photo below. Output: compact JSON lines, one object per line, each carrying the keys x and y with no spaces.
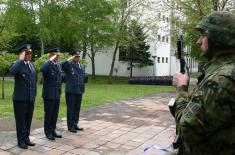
{"x":93,"y":62}
{"x":131,"y":69}
{"x":3,"y":82}
{"x":84,"y":48}
{"x":122,"y":23}
{"x":110,"y":78}
{"x":42,"y":46}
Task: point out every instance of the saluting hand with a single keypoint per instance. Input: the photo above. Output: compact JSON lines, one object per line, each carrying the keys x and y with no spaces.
{"x":70,"y":58}
{"x":22,"y":56}
{"x":53,"y":57}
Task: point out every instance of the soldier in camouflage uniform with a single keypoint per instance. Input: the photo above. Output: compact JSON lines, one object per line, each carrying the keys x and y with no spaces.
{"x":205,"y":117}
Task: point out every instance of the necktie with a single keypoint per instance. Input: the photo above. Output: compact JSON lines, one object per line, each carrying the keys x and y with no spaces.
{"x":58,"y":67}
{"x":28,"y":66}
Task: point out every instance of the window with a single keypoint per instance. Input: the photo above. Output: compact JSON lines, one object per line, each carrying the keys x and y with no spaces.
{"x":158,"y":59}
{"x":163,"y":38}
{"x":167,"y":39}
{"x":163,"y":17}
{"x":167,"y":19}
{"x":158,"y":37}
{"x":162,"y":59}
{"x":166,"y":60}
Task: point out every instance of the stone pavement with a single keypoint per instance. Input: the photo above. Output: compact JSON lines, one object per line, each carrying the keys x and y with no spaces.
{"x":124,"y":127}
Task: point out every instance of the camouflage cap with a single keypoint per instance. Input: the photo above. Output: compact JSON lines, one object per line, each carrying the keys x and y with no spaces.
{"x":221,"y":28}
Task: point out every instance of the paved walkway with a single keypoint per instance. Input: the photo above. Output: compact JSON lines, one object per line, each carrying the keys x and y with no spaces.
{"x":125,"y":127}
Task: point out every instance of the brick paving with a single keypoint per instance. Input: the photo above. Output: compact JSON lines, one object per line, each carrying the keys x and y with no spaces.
{"x":124,"y":127}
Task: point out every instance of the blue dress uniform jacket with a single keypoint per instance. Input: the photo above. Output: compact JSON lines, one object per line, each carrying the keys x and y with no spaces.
{"x":23,"y":98}
{"x":51,"y":94}
{"x":25,"y":81}
{"x":75,"y":77}
{"x":51,"y":80}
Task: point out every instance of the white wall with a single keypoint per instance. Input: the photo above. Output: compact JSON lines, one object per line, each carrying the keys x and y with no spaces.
{"x":103,"y":64}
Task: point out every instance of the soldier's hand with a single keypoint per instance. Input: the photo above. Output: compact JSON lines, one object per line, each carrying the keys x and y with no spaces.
{"x":53,"y":57}
{"x":70,"y":58}
{"x":180,"y":79}
{"x":22,"y":56}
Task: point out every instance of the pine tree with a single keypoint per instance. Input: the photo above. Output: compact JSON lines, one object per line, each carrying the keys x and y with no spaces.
{"x":134,"y":49}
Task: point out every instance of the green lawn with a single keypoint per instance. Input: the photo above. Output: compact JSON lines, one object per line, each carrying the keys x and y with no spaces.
{"x":97,"y":93}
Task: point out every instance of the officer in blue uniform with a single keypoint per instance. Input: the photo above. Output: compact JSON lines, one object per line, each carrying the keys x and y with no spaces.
{"x":24,"y":94}
{"x":74,"y":89}
{"x":51,"y":93}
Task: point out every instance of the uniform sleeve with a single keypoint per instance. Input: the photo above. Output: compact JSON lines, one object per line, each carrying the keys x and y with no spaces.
{"x":64,"y":65}
{"x":44,"y":67}
{"x":15,"y":67}
{"x":181,"y":103}
{"x":209,"y":109}
{"x":36,"y":74}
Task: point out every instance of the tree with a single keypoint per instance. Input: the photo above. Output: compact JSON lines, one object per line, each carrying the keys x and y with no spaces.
{"x":7,"y":33}
{"x":134,"y":48}
{"x":93,"y":29}
{"x":125,"y":10}
{"x":38,"y":22}
{"x":193,"y":11}
{"x":5,"y":61}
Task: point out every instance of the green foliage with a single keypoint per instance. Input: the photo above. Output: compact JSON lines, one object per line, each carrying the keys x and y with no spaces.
{"x":90,"y":22}
{"x":45,"y":57}
{"x":6,"y":60}
{"x":194,"y":11}
{"x":125,"y":10}
{"x":134,"y":48}
{"x":51,"y":26}
{"x":5,"y":39}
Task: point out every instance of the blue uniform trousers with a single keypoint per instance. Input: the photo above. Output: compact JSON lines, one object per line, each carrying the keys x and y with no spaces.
{"x":51,"y":109}
{"x":23,"y":111}
{"x":73,"y":102}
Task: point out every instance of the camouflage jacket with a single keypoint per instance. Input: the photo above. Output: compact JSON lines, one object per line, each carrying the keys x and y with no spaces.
{"x":205,"y":118}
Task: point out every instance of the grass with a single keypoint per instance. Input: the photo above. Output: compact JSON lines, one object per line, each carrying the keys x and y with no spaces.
{"x":97,"y":92}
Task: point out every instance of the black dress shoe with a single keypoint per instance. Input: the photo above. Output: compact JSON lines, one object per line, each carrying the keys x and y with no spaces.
{"x":29,"y":143}
{"x":56,"y":135}
{"x":79,"y":129}
{"x":73,"y":130}
{"x":50,"y":137}
{"x":23,"y":146}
